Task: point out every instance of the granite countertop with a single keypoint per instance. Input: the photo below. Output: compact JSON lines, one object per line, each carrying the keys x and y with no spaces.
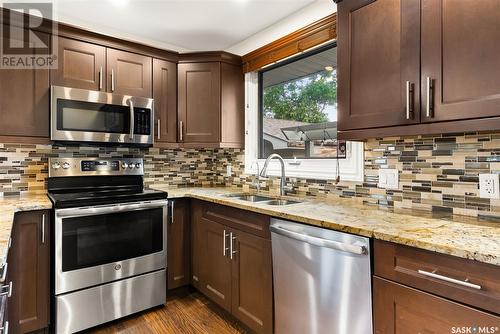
{"x":466,"y":237}
{"x":12,"y":204}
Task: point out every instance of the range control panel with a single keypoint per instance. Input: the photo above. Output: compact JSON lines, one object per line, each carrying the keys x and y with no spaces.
{"x":60,"y":167}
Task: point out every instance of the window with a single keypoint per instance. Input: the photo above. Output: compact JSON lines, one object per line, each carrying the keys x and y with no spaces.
{"x":291,"y":110}
{"x":298,"y":107}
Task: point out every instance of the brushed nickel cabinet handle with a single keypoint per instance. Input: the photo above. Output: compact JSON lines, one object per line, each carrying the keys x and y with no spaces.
{"x":43,"y":228}
{"x":449,"y":279}
{"x":100,"y":78}
{"x":181,"y":129}
{"x":231,"y":246}
{"x":430,"y":101}
{"x":159,"y":127}
{"x":224,"y":245}
{"x":409,"y":102}
{"x":172,"y":213}
{"x":112,"y":80}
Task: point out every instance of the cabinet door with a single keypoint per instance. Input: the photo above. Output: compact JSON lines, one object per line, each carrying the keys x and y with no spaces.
{"x":401,"y":310}
{"x":199,"y":102}
{"x":165,"y":96}
{"x":81,"y":65}
{"x":29,"y":265}
{"x":178,"y":244}
{"x":378,"y":53}
{"x":252,"y":292}
{"x":461,"y":57}
{"x":215,"y":265}
{"x":129,"y":73}
{"x":24,"y":100}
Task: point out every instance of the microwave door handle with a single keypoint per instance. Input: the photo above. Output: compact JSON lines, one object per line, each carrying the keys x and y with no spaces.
{"x":131,"y":134}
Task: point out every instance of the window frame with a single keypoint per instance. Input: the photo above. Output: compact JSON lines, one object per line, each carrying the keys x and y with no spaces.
{"x":351,"y":167}
{"x":284,"y":62}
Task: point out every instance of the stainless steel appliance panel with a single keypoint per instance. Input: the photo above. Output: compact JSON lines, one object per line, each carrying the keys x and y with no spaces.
{"x":90,"y":307}
{"x":74,"y":94}
{"x":66,"y":281}
{"x":322,"y":280}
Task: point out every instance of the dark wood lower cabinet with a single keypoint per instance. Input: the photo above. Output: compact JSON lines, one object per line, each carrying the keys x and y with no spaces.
{"x":252,"y":288}
{"x":233,"y":267}
{"x":215,"y":264}
{"x":178,"y":244}
{"x":29,"y":271}
{"x":402,"y":310}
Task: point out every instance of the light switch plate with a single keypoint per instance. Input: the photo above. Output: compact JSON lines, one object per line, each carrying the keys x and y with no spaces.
{"x":388,"y":178}
{"x":229,"y":170}
{"x":489,"y":186}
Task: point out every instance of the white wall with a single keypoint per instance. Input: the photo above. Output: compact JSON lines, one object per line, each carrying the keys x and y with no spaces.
{"x":307,"y":15}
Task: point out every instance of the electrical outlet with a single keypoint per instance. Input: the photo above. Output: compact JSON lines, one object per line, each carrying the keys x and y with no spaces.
{"x":229,"y":170}
{"x":388,"y":178}
{"x":489,"y":186}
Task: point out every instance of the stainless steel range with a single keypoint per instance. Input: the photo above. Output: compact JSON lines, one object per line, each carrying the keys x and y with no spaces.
{"x":110,"y":241}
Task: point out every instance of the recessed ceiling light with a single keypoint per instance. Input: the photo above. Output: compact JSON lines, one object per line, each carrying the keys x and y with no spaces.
{"x":119,"y":3}
{"x":329,"y":68}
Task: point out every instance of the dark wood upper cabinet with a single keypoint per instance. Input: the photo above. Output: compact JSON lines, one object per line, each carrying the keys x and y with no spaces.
{"x":81,"y":65}
{"x":129,"y":73}
{"x":252,"y":290}
{"x":178,"y":244}
{"x":24,"y":101}
{"x":165,"y":96}
{"x":29,"y":271}
{"x":461,"y":57}
{"x":211,"y":100}
{"x":378,"y":63}
{"x":215,"y":267}
{"x":401,"y":310}
{"x":199,"y":102}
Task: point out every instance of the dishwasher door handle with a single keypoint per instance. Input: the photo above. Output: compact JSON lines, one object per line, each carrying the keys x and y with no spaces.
{"x":320,"y":242}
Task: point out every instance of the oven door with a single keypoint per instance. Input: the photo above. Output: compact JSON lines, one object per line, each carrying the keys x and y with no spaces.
{"x":90,"y":116}
{"x":95,"y":245}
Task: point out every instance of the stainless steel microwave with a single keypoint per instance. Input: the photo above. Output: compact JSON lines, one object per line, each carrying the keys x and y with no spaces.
{"x":80,"y":115}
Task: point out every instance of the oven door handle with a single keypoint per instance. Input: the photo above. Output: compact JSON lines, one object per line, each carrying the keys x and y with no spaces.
{"x":106,"y":209}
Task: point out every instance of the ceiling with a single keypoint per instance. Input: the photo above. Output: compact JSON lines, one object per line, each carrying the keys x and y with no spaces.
{"x":301,"y":68}
{"x":179,"y":25}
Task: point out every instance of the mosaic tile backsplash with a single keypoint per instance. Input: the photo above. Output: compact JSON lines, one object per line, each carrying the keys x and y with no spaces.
{"x":437,"y":173}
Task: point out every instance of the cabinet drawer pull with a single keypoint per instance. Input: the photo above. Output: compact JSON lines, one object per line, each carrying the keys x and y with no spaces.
{"x":5,"y":328}
{"x":429,"y":111}
{"x":43,"y":228}
{"x":449,"y":279}
{"x":409,"y":100}
{"x":231,"y":246}
{"x":158,"y":134}
{"x":4,"y":272}
{"x":9,"y":290}
{"x":224,"y":248}
{"x":100,"y":78}
{"x":172,"y":212}
{"x":112,"y":80}
{"x":181,"y":128}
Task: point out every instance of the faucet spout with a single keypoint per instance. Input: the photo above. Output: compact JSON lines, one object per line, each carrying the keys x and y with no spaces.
{"x":263,"y":172}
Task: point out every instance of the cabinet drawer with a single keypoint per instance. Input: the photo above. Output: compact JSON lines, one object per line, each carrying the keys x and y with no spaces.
{"x":242,"y":220}
{"x":473,"y":283}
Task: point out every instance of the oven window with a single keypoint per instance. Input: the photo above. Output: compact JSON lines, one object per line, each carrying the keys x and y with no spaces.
{"x":94,"y":240}
{"x":92,"y":117}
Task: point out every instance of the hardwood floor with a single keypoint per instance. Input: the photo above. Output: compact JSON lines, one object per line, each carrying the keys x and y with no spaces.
{"x":187,"y":314}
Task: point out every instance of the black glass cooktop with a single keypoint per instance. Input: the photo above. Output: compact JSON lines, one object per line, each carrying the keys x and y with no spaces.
{"x":101,"y":197}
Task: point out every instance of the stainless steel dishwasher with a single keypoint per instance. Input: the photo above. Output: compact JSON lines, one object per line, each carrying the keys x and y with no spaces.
{"x":322,"y":280}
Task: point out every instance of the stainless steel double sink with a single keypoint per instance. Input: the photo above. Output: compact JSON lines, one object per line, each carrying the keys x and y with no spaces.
{"x":262,"y":199}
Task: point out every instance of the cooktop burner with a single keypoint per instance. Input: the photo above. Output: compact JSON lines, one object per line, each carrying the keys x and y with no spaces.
{"x":79,"y":182}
